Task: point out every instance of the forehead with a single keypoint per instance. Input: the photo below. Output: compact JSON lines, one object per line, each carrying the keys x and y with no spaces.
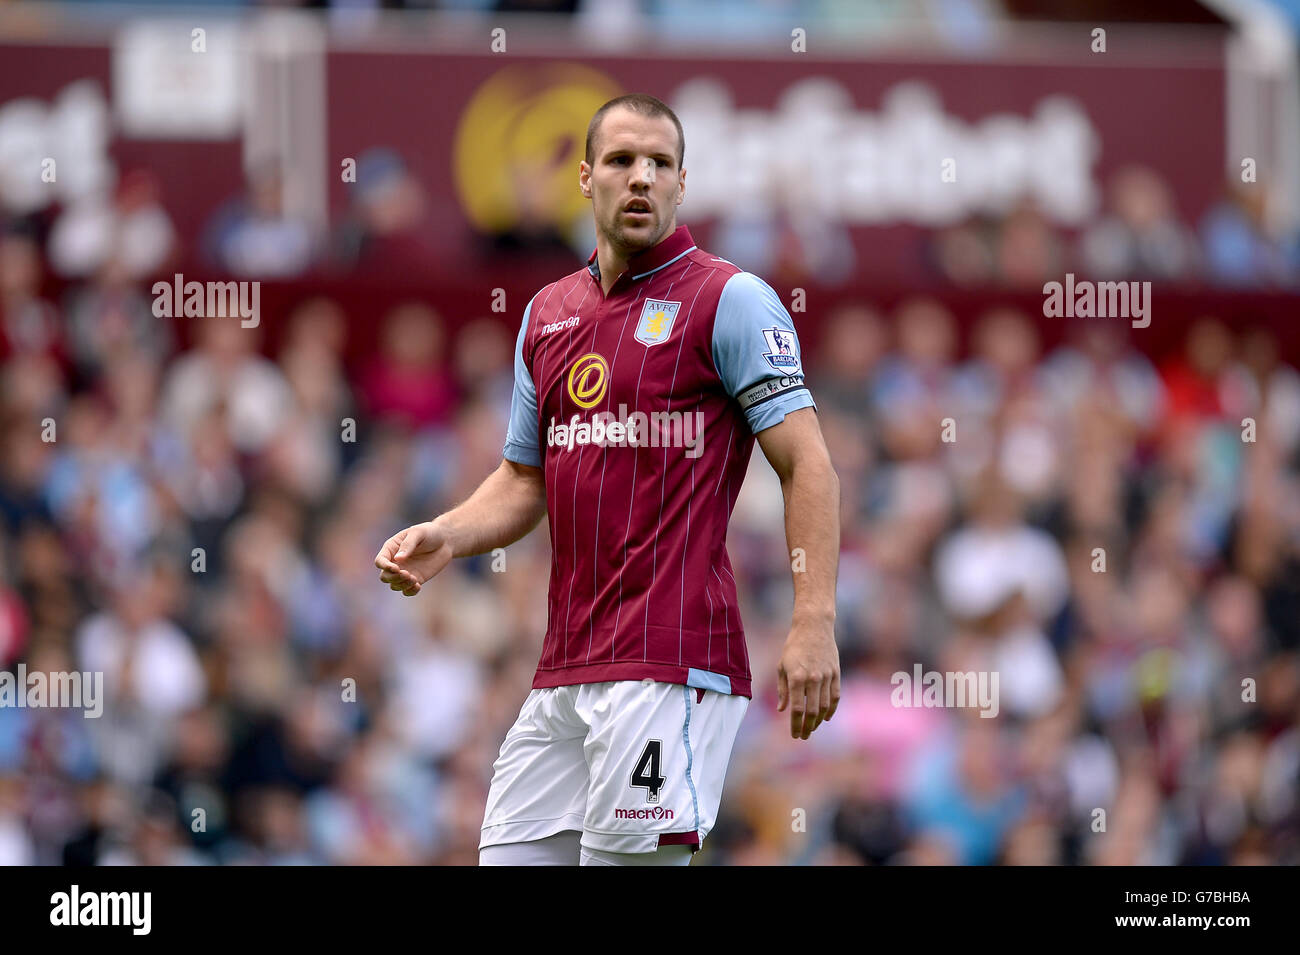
{"x":623,"y":129}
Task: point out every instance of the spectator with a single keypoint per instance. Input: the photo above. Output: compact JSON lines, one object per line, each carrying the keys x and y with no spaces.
{"x":1142,"y":237}
{"x":130,"y":229}
{"x":409,"y":381}
{"x":1238,"y":252}
{"x":259,"y":236}
{"x":388,"y":228}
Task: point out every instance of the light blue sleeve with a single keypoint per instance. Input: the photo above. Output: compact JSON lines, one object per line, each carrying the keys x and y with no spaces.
{"x":756,"y":352}
{"x":522,"y":439}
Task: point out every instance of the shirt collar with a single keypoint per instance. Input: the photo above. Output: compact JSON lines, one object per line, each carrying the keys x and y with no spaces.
{"x":652,"y":259}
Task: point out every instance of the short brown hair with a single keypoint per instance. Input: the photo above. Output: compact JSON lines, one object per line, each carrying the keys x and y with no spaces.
{"x":645,"y":105}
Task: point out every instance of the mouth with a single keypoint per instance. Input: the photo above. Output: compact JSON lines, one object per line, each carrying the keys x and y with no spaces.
{"x":637,"y":208}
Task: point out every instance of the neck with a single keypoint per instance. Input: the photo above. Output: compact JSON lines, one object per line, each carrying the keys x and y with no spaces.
{"x":613,"y":259}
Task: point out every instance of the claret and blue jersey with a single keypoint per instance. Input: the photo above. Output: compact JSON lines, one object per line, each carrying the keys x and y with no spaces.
{"x":641,"y":407}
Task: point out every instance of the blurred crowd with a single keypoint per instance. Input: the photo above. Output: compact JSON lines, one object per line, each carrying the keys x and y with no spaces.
{"x":392,"y":227}
{"x":1138,"y":234}
{"x":1100,"y":532}
{"x":199,"y":525}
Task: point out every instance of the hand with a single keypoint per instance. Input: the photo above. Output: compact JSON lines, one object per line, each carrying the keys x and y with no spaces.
{"x":411,"y":558}
{"x":808,"y":677}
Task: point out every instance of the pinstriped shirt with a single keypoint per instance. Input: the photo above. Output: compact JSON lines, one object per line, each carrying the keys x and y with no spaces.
{"x":641,"y":407}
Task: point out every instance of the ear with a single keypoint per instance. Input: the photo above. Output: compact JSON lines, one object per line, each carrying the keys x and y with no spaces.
{"x":584,"y":178}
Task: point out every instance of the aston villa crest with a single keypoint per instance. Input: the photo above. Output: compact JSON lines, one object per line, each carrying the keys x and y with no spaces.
{"x":656,"y":322}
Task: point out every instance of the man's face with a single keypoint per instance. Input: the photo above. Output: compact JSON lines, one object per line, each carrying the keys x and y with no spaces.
{"x":634,"y":185}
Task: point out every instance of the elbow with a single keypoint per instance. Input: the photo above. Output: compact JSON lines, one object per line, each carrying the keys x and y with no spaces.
{"x":827,"y":479}
{"x":831,"y":481}
{"x":529,"y":482}
{"x":813,"y":469}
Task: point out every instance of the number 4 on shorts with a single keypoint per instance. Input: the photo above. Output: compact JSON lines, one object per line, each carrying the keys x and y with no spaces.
{"x":646,"y":775}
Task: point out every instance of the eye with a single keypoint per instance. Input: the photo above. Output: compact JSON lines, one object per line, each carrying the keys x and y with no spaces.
{"x":663,"y":162}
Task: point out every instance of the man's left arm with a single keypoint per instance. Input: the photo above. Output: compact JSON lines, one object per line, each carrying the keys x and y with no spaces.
{"x":808,"y":677}
{"x":756,"y":353}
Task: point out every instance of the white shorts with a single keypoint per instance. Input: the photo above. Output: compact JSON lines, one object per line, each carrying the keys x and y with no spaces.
{"x":632,"y":764}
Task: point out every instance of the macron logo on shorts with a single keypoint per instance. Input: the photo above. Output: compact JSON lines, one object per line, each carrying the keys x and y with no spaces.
{"x":658,"y":812}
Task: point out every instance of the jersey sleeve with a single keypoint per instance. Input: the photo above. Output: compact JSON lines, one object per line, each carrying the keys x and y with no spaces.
{"x":756,"y":352}
{"x":522,"y":439}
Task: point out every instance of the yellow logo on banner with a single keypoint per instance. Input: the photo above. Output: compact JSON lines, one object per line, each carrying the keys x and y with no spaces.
{"x":519,"y":142}
{"x":587,"y":380}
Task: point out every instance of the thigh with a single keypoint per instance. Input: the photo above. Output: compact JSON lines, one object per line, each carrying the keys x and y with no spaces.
{"x":539,"y":780}
{"x":657,"y":756}
{"x":559,"y":849}
{"x":663,"y":856}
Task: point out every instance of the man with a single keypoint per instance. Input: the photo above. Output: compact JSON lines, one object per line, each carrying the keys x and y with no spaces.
{"x":640,"y":384}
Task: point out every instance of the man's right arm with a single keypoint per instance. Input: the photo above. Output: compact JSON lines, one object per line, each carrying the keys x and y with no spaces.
{"x":513,"y":499}
{"x":504,"y":508}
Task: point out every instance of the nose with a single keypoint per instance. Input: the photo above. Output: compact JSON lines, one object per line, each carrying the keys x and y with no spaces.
{"x":642,"y":172}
